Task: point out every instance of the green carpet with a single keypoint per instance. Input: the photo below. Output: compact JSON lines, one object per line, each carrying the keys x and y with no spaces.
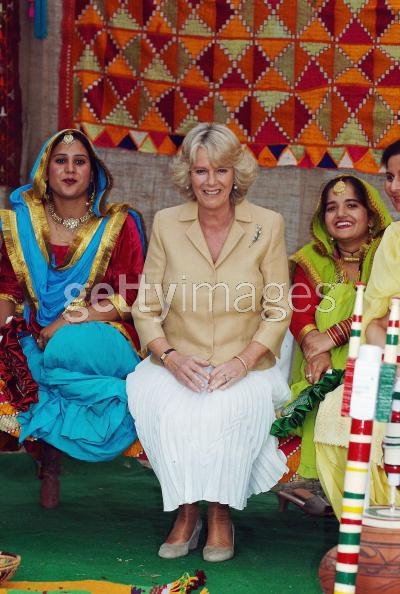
{"x":110,"y":524}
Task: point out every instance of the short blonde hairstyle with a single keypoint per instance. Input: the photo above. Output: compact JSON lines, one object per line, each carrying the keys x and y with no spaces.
{"x":223,"y":149}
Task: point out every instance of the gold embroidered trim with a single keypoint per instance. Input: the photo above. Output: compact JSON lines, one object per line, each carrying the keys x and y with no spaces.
{"x":42,"y":232}
{"x":39,"y":222}
{"x":304,"y":331}
{"x":10,"y":298}
{"x":100,"y":262}
{"x":308,"y":268}
{"x":379,"y":215}
{"x":103,"y":255}
{"x":121,"y":306}
{"x":15,"y":253}
{"x":81,"y":242}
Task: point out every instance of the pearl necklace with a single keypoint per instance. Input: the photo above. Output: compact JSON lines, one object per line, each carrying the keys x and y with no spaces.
{"x":70,"y":223}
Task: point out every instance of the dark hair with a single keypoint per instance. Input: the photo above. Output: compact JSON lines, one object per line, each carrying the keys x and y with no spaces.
{"x":358,"y":187}
{"x":390,"y":151}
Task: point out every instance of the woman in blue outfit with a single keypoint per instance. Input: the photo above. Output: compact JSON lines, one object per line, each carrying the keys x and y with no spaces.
{"x":70,"y":264}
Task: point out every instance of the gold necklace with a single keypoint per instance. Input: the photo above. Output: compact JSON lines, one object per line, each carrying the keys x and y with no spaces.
{"x":69,"y":223}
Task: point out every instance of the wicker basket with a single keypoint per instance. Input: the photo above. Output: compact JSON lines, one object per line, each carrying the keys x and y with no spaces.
{"x":8,"y":565}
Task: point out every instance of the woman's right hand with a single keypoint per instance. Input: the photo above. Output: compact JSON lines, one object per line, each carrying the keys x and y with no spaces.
{"x":188,"y":370}
{"x":317,"y":366}
{"x":47,"y":332}
{"x":316,"y":343}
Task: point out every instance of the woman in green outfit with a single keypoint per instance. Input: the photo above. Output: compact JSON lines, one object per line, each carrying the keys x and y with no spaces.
{"x":346,"y":229}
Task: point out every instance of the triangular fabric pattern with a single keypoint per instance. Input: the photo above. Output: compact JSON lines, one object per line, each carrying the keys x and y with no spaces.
{"x":303,"y":86}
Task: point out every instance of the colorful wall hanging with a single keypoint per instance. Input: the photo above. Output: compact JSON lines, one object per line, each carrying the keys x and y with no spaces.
{"x":10,"y":95}
{"x":302,"y":82}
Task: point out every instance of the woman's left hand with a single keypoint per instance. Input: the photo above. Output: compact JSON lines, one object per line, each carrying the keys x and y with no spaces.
{"x":226,"y":374}
{"x":317,"y":366}
{"x":47,"y":332}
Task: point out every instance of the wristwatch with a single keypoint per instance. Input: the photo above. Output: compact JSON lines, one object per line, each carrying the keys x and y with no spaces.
{"x":165,"y":354}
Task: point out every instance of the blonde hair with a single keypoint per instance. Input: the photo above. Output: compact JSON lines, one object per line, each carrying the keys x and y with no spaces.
{"x":223,"y":149}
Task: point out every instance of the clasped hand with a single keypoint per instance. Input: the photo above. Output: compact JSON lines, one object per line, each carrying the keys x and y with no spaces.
{"x":317,"y":366}
{"x":315,"y":343}
{"x":193,"y":372}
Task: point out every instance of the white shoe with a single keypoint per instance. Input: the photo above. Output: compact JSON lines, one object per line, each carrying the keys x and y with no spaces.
{"x":172,"y":551}
{"x":217,"y":554}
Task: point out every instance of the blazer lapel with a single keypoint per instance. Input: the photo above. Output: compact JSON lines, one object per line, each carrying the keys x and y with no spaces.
{"x":236,"y":232}
{"x":189,"y":213}
{"x":195,"y":235}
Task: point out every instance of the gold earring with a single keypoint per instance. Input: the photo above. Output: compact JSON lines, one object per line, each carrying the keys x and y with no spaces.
{"x":90,"y":200}
{"x":47,"y":193}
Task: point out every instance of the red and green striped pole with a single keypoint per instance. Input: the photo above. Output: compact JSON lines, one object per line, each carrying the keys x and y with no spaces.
{"x":362,"y":407}
{"x":389,"y":365}
{"x":354,"y":346}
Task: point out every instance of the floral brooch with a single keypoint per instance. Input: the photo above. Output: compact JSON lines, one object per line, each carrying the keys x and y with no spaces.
{"x":257,"y":235}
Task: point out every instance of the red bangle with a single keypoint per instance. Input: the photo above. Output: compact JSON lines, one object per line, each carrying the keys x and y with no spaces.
{"x":334,"y":335}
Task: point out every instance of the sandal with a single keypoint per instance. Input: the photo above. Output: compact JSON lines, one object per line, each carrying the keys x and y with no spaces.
{"x":311,"y":504}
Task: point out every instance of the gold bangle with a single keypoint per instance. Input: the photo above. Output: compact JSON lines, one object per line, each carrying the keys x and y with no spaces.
{"x":243,"y":362}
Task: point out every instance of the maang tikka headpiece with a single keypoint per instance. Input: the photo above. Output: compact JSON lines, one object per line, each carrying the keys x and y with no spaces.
{"x":68,"y":138}
{"x":339,"y":188}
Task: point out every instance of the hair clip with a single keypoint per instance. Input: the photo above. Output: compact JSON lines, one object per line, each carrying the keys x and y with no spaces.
{"x":339,"y":187}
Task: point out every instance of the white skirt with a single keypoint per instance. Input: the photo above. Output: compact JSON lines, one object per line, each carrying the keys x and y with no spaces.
{"x":208,"y":446}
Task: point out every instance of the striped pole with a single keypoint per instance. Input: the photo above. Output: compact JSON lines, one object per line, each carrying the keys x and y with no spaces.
{"x":389,"y":365}
{"x":362,"y":407}
{"x":354,"y":346}
{"x":391,"y":446}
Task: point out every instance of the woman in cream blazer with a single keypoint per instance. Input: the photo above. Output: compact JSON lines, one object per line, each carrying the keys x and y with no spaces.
{"x":212,"y":310}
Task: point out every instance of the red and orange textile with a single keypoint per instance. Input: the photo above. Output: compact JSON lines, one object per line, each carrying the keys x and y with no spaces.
{"x":10,"y":95}
{"x":306,"y":82}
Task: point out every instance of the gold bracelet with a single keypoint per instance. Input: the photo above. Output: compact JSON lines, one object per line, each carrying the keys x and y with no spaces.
{"x":243,"y":362}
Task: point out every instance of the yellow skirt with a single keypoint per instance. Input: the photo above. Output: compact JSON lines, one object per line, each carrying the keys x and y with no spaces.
{"x":331,"y":465}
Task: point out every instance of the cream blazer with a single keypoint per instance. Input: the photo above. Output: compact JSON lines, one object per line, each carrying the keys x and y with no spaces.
{"x":215,"y":310}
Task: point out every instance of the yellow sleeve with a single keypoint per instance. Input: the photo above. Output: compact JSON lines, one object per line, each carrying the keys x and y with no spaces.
{"x":384,"y":281}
